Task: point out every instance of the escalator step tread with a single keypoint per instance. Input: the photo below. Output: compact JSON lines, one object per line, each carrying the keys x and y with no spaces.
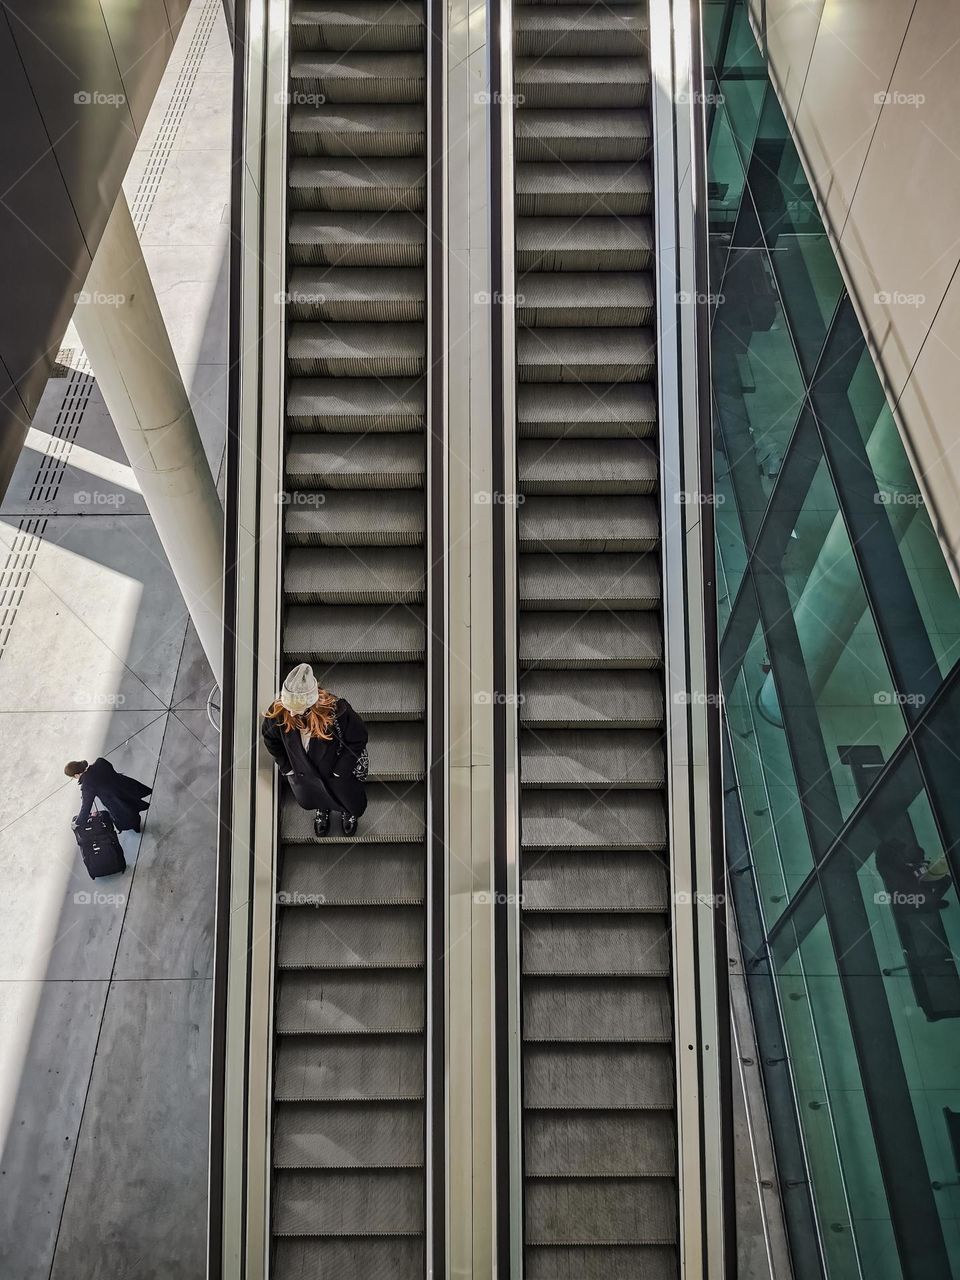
{"x":338,"y":518}
{"x":353,"y":633}
{"x":358,"y":129}
{"x":581,"y":522}
{"x":609,"y":81}
{"x":603,"y":1077}
{"x":583,"y":1144}
{"x":394,"y":815}
{"x":379,"y":1135}
{"x":597,"y":1009}
{"x":595,"y":698}
{"x":594,"y":410}
{"x":352,"y":76}
{"x":579,"y":298}
{"x":357,"y":461}
{"x":586,"y":580}
{"x":345,"y":1204}
{"x":349,"y":404}
{"x":612,"y":188}
{"x":341,"y":874}
{"x":377,"y":691}
{"x":344,"y":183}
{"x":338,"y":1003}
{"x":576,"y":30}
{"x":330,"y":937}
{"x":572,"y":134}
{"x":605,"y":880}
{"x":351,"y":1258}
{"x":585,"y":355}
{"x":617,"y":758}
{"x":381,"y":295}
{"x":368,"y":349}
{"x":354,"y":575}
{"x":357,"y":24}
{"x":601,"y":1211}
{"x":600,"y":943}
{"x":599,"y":1262}
{"x":586,"y":466}
{"x":567,"y":820}
{"x":366,"y":1068}
{"x":600,"y":638}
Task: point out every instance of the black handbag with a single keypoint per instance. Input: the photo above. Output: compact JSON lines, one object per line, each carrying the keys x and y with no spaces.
{"x":362,"y":765}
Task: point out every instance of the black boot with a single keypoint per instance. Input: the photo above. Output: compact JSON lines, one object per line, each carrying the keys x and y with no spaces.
{"x":321,"y":823}
{"x":349,"y":823}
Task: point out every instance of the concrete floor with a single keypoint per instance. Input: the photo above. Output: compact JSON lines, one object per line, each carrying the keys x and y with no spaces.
{"x":105,"y":987}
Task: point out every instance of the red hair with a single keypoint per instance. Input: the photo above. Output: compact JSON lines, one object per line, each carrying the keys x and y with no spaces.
{"x":316,"y":720}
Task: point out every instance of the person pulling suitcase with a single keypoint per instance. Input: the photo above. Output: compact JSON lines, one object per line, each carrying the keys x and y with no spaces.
{"x":320,"y":745}
{"x":96,"y":829}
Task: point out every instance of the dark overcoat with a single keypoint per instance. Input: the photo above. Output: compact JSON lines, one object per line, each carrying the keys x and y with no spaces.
{"x":121,"y":796}
{"x":330,"y":774}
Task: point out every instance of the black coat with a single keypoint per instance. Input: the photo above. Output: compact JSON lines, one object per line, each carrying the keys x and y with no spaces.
{"x":121,"y":796}
{"x":325,"y":775}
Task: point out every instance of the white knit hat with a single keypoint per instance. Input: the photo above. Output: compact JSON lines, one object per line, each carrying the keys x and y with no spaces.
{"x":300,"y":689}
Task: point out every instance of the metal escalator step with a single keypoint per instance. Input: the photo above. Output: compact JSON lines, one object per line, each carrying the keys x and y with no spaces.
{"x":356,"y":350}
{"x":616,"y":758}
{"x":346,"y":460}
{"x":348,"y":76}
{"x":599,"y":1077}
{"x":345,"y":875}
{"x":596,"y":943}
{"x":586,"y":580}
{"x":337,"y":518}
{"x":581,"y":299}
{"x":357,"y":295}
{"x":350,"y":938}
{"x":585,"y":355}
{"x":616,"y":1262}
{"x":583,"y":244}
{"x":368,"y":185}
{"x":572,"y":820}
{"x":639,"y":1144}
{"x":357,"y":24}
{"x":586,"y":466}
{"x":354,"y":575}
{"x":377,"y":1203}
{"x":373,"y":129}
{"x":581,"y":522}
{"x":579,"y":30}
{"x":356,"y":240}
{"x":378,"y":691}
{"x":598,"y":639}
{"x":316,"y":1135}
{"x":396,"y":753}
{"x":614,"y":188}
{"x":601,"y":1211}
{"x":394,"y":815}
{"x":356,"y":633}
{"x":344,"y":1002}
{"x":597,"y":1009}
{"x":628,"y":699}
{"x":356,"y":404}
{"x":593,"y":410}
{"x":582,"y":82}
{"x":350,"y":1258}
{"x":606,"y":880}
{"x":571,"y":134}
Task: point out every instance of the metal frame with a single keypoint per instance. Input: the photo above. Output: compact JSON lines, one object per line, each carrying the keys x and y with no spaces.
{"x":701,"y":1035}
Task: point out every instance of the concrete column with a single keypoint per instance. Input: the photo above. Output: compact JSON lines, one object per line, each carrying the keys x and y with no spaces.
{"x":123,"y":333}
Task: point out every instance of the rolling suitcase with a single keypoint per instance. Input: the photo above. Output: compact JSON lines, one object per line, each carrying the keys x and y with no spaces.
{"x":100,"y":846}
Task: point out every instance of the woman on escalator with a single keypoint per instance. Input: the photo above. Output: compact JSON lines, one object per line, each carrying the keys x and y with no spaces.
{"x":320,"y":745}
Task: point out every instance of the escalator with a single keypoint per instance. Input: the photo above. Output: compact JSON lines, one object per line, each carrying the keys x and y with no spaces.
{"x":599,"y":1146}
{"x":348,"y":1195}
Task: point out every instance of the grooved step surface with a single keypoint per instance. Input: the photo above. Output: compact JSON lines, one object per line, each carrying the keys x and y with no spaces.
{"x":348,"y":1135}
{"x":574,"y":820}
{"x":345,"y":1003}
{"x":355,"y":404}
{"x":573,"y":134}
{"x":356,"y":294}
{"x":377,"y":691}
{"x":347,"y":1068}
{"x":357,"y":24}
{"x":596,"y":409}
{"x":362,"y":130}
{"x":356,"y":461}
{"x":611,"y":189}
{"x":583,"y":82}
{"x":588,"y":1211}
{"x":596,"y":943}
{"x":335,"y":518}
{"x":577,"y":299}
{"x":370,"y":350}
{"x":595,"y":698}
{"x":588,"y":522}
{"x":353,"y":575}
{"x":586,"y":466}
{"x":623,"y":880}
{"x":358,"y":77}
{"x":585,"y":355}
{"x":568,"y":580}
{"x":367,"y":633}
{"x":612,"y":1262}
{"x":351,"y":875}
{"x":590,"y":30}
{"x":350,"y":1258}
{"x":348,"y":1204}
{"x":582,"y":1145}
{"x":617,"y":758}
{"x":583,"y":244}
{"x":395,"y":815}
{"x":597,"y":1076}
{"x":356,"y":239}
{"x":372,"y":184}
{"x":327,"y":937}
{"x":597,"y":1009}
